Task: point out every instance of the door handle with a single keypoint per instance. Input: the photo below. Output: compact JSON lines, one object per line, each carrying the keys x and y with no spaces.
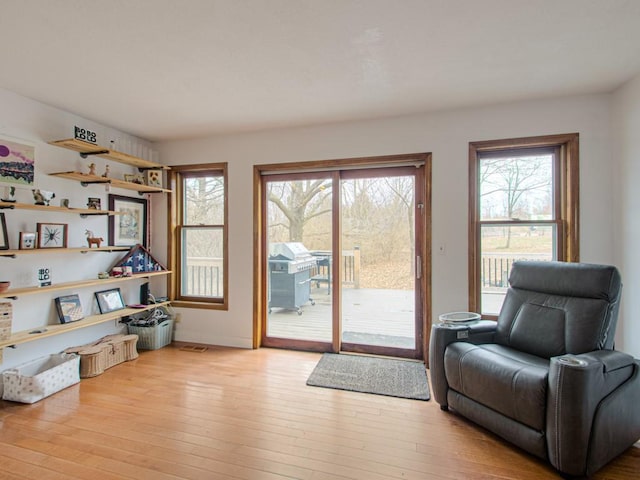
{"x":418,"y":267}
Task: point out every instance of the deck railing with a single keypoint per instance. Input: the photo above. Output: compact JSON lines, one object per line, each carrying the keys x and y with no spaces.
{"x":203,"y":277}
{"x":349,"y":267}
{"x":495,"y":268}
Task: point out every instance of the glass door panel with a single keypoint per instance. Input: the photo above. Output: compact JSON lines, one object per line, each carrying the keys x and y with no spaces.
{"x":298,"y":223}
{"x":377,"y":262}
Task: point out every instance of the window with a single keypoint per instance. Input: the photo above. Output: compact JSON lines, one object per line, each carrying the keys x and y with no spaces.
{"x":198,"y":242}
{"x":523,"y":205}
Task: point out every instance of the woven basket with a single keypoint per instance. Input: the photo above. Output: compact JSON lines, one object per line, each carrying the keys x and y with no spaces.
{"x":107,"y":352}
{"x":6,"y":316}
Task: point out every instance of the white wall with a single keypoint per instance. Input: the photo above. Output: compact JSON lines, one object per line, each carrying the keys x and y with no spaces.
{"x":446,"y":135}
{"x":626,"y":148}
{"x":32,"y":122}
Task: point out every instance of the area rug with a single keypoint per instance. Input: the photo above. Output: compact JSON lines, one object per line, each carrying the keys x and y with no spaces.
{"x":380,"y":376}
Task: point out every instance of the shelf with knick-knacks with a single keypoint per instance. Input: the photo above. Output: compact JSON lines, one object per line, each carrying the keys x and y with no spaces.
{"x":89,"y":179}
{"x":51,"y":208}
{"x":86,"y":149}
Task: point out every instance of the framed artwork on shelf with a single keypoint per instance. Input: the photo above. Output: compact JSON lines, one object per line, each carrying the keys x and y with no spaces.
{"x":27,"y":241}
{"x":4,"y":237}
{"x":154,"y":178}
{"x":129,"y":226}
{"x":52,"y":235}
{"x":93,"y":203}
{"x":109,"y":300}
{"x":69,"y":308}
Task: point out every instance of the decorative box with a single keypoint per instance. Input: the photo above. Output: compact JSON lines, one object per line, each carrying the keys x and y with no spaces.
{"x":37,"y":379}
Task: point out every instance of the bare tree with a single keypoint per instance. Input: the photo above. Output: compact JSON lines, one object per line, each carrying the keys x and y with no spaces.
{"x":514,"y":185}
{"x":300,"y":201}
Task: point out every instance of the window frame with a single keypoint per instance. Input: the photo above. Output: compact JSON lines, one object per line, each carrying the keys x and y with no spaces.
{"x":177,"y":175}
{"x":566,"y":201}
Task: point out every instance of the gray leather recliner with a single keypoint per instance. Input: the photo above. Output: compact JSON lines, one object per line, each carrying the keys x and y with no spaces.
{"x":545,"y":376}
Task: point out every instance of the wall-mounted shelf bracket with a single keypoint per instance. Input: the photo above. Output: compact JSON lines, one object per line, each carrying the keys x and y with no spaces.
{"x":97,"y":152}
{"x":85,"y":183}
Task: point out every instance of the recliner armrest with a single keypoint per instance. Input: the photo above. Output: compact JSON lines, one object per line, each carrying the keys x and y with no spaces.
{"x":443,"y":334}
{"x":577,"y":385}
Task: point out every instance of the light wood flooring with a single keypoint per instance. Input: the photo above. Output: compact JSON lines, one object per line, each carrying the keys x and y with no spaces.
{"x":247,"y":414}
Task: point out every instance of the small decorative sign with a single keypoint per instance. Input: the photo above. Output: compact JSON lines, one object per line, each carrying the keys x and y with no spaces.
{"x":84,"y":134}
{"x":44,"y":276}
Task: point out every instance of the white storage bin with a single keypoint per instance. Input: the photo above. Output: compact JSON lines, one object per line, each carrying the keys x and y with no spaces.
{"x":35,"y":380}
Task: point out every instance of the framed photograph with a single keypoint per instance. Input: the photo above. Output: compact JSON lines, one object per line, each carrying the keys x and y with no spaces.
{"x":69,"y":308}
{"x":18,"y":162}
{"x":129,"y":226}
{"x":52,"y":235}
{"x":27,"y":241}
{"x":154,"y":178}
{"x":4,"y":237}
{"x":110,"y":300}
{"x":94,"y":203}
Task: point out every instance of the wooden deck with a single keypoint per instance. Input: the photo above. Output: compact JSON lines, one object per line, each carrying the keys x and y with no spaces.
{"x":370,"y":316}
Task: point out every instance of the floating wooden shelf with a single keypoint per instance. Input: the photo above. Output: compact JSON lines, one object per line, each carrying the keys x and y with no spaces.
{"x":86,"y":179}
{"x":79,"y":211}
{"x":18,"y":292}
{"x":52,"y":330}
{"x":85,"y":149}
{"x":13,"y":253}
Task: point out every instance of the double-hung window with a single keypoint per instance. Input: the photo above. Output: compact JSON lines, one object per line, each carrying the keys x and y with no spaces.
{"x":198,"y":212}
{"x":523,"y":206}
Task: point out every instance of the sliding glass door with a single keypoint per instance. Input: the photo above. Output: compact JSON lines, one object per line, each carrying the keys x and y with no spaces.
{"x":342,"y":261}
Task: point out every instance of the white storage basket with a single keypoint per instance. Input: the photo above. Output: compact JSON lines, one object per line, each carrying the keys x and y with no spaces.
{"x":35,"y":380}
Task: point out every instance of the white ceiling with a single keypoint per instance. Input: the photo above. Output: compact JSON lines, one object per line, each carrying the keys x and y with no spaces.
{"x":169,"y":69}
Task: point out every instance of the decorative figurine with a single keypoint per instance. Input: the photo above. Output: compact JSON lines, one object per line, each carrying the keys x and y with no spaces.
{"x":106,"y":172}
{"x":42,"y":197}
{"x":92,"y":169}
{"x":92,"y":240}
{"x":10,"y":195}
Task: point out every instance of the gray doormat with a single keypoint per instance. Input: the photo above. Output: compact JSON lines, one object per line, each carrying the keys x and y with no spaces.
{"x":380,"y":376}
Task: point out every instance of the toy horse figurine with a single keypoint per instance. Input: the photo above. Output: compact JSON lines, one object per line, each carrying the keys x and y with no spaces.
{"x":91,"y":240}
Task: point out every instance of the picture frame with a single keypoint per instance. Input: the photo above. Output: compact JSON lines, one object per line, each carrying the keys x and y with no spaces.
{"x":51,"y":235}
{"x":129,"y":226}
{"x":4,"y":236}
{"x":18,"y":161}
{"x":27,"y":241}
{"x":110,"y":300}
{"x":94,"y":203}
{"x":69,"y":308}
{"x":154,"y":178}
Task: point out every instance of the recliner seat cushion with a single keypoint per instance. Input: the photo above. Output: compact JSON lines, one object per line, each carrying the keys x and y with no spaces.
{"x":508,"y":381}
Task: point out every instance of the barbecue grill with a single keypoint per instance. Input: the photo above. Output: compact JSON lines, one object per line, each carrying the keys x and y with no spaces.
{"x":290,"y":267}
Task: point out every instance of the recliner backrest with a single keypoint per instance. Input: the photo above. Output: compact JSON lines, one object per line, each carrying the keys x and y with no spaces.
{"x":555,"y":308}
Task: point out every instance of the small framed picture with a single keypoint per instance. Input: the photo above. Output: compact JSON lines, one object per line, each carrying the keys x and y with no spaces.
{"x":69,"y":308}
{"x":94,"y":203}
{"x":4,"y":237}
{"x":154,"y":178}
{"x":110,"y":300}
{"x":52,"y":235}
{"x":27,"y":241}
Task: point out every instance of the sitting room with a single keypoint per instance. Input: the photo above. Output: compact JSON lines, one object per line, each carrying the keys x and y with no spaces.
{"x":304,"y":239}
